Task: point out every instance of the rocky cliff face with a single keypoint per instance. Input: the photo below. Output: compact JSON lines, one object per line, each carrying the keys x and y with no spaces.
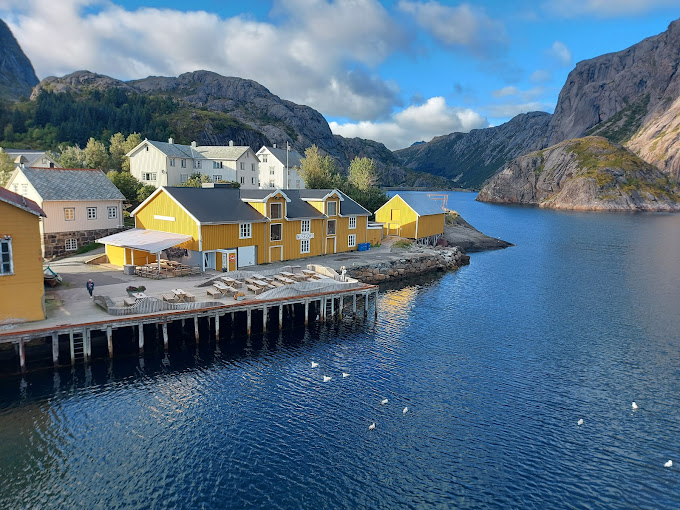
{"x":17,"y":76}
{"x":471,"y":158}
{"x":588,"y":174}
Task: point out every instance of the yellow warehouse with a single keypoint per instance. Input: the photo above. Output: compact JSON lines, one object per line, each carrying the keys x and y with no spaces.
{"x":415,"y":216}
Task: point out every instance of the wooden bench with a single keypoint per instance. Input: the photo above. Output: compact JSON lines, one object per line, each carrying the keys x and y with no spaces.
{"x":215,"y":293}
{"x":189,"y":297}
{"x":254,"y":289}
{"x":128,"y":301}
{"x":170,"y":298}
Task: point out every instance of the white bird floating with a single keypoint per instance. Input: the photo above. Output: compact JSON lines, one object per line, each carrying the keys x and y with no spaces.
{"x":345,"y":374}
{"x":384,"y":401}
{"x":634,"y":406}
{"x":580,"y":422}
{"x":668,"y":464}
{"x":314,"y":364}
{"x":372,"y":426}
{"x":327,"y":378}
{"x":405,"y":410}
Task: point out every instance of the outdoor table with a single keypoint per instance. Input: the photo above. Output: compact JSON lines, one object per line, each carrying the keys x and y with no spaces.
{"x":181,"y":295}
{"x":139,"y":295}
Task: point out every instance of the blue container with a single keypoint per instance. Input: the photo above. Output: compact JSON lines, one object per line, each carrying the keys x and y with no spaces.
{"x":363,"y":246}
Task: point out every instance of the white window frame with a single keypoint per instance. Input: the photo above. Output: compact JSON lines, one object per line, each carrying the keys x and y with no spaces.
{"x":264,"y":158}
{"x":328,"y":227}
{"x":252,"y":167}
{"x":172,"y":161}
{"x":149,"y":176}
{"x":16,"y":188}
{"x":271,"y":232}
{"x":272,"y":171}
{"x":304,"y":245}
{"x":24,"y":189}
{"x":352,"y":241}
{"x":6,"y":266}
{"x":242,"y":165}
{"x":352,"y":222}
{"x":243,"y":180}
{"x":217,"y":165}
{"x":305,"y":226}
{"x":252,"y":180}
{"x":71,"y":244}
{"x":72,"y":210}
{"x":245,"y":230}
{"x":112,"y":212}
{"x":217,"y":177}
{"x":183,"y":178}
{"x":91,"y":213}
{"x":271,"y":210}
{"x":328,"y":207}
{"x":183,"y":163}
{"x":197,"y":164}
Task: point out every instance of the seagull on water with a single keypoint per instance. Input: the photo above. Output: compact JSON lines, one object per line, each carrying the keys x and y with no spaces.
{"x":327,"y":378}
{"x":405,"y":410}
{"x":634,"y":406}
{"x":668,"y":464}
{"x":314,"y":364}
{"x":372,"y":426}
{"x":345,"y":374}
{"x":580,"y":422}
{"x":384,"y":401}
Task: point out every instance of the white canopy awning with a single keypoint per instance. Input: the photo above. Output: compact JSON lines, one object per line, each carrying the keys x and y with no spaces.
{"x":152,"y":241}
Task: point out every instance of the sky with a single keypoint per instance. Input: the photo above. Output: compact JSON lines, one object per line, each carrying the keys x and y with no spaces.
{"x":394,"y":71}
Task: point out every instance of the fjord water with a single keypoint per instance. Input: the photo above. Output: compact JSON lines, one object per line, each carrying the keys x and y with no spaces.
{"x":496,"y":363}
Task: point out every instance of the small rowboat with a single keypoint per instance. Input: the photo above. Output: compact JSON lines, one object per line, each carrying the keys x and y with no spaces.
{"x":51,"y":278}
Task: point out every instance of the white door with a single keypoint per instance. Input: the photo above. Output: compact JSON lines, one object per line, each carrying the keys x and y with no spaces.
{"x":246,"y":256}
{"x":209,"y":260}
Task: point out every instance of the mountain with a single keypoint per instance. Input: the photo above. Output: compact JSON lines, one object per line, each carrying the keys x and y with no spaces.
{"x":588,"y":173}
{"x":17,"y":76}
{"x":471,"y":158}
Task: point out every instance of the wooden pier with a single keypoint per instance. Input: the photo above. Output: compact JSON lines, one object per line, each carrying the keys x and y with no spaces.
{"x":73,"y":343}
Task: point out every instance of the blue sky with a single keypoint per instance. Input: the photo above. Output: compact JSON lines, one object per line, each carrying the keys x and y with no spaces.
{"x":396,"y":71}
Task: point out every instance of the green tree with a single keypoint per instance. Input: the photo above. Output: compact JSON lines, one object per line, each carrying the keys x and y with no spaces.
{"x":318,"y":170}
{"x":96,"y":155}
{"x":195,"y":180}
{"x":132,"y":141}
{"x":144,"y":192}
{"x":117,"y":151}
{"x":362,"y":173}
{"x":71,"y":156}
{"x":128,"y":185}
{"x":6,"y":168}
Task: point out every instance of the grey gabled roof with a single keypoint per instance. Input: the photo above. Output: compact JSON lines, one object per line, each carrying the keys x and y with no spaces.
{"x":174,"y":150}
{"x":294,"y":158}
{"x":260,"y":195}
{"x":71,"y":184}
{"x":215,"y":205}
{"x":177,"y":150}
{"x":299,"y":209}
{"x":349,"y":207}
{"x":421,"y":203}
{"x":316,"y":194}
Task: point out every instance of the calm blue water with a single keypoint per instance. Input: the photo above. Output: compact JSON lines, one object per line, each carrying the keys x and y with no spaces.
{"x":496,"y":363}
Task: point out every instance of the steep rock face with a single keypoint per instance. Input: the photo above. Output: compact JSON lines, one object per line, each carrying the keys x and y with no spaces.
{"x":17,"y":76}
{"x":635,"y":83}
{"x":588,"y":174}
{"x":471,"y":158}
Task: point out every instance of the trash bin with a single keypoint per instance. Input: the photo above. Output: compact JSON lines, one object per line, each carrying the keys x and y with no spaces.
{"x":129,"y":269}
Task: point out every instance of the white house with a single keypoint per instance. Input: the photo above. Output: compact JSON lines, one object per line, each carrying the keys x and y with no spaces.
{"x":81,"y":205}
{"x":30,"y":158}
{"x":279,"y":168}
{"x":171,"y":164}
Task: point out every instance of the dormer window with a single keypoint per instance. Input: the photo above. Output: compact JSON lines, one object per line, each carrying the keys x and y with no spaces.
{"x":332,"y":208}
{"x":276,"y":211}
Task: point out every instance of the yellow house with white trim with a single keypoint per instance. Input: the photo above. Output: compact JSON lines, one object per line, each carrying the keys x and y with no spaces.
{"x":415,"y":216}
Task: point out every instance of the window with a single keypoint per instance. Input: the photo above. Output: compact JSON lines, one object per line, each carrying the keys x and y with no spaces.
{"x":6,"y":262}
{"x":331,"y":208}
{"x":183,"y":178}
{"x":352,"y":240}
{"x":16,"y":188}
{"x":44,"y":161}
{"x":245,"y":231}
{"x":217,"y":177}
{"x":252,"y":166}
{"x":148,"y":176}
{"x":252,"y":180}
{"x":69,"y":213}
{"x":184,"y":163}
{"x":71,"y":244}
{"x":24,"y":189}
{"x":242,"y":165}
{"x":275,"y":232}
{"x":91,"y":213}
{"x":305,"y":226}
{"x":271,"y":170}
{"x":264,"y":158}
{"x":304,"y":246}
{"x":271,"y":184}
{"x":352,"y":222}
{"x":217,"y":164}
{"x":243,"y":180}
{"x":197,"y":164}
{"x":276,"y":211}
{"x":172,"y":161}
{"x":147,"y":148}
{"x":112,"y":212}
{"x":330,"y":227}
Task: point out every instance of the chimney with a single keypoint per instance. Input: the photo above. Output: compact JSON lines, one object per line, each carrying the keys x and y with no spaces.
{"x":170,"y":141}
{"x":193,"y":144}
{"x":274,"y":145}
{"x":231,"y":143}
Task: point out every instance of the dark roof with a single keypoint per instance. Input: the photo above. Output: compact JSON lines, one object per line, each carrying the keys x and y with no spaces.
{"x":259,"y":194}
{"x":72,"y":184}
{"x":294,"y":158}
{"x":21,"y":202}
{"x":215,"y":205}
{"x":315,"y":194}
{"x":298,"y":208}
{"x":348,"y":207}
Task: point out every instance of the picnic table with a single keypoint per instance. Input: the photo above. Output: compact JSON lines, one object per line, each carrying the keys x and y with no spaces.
{"x":223,"y":288}
{"x":183,"y":296}
{"x":283,"y":279}
{"x":287,"y":274}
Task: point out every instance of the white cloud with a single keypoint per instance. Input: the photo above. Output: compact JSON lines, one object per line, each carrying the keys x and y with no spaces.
{"x":560,"y":53}
{"x":505,"y":91}
{"x":540,"y":76}
{"x":605,"y":8}
{"x":415,"y":123}
{"x":464,"y":25}
{"x":322,"y":54}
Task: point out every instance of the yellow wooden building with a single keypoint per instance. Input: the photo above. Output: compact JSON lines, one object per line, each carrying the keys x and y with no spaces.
{"x":221,"y":227}
{"x":22,"y":288}
{"x":412,"y":215}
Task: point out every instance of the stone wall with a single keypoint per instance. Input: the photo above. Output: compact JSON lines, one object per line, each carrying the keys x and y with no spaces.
{"x":54,"y":244}
{"x":412,"y":264}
